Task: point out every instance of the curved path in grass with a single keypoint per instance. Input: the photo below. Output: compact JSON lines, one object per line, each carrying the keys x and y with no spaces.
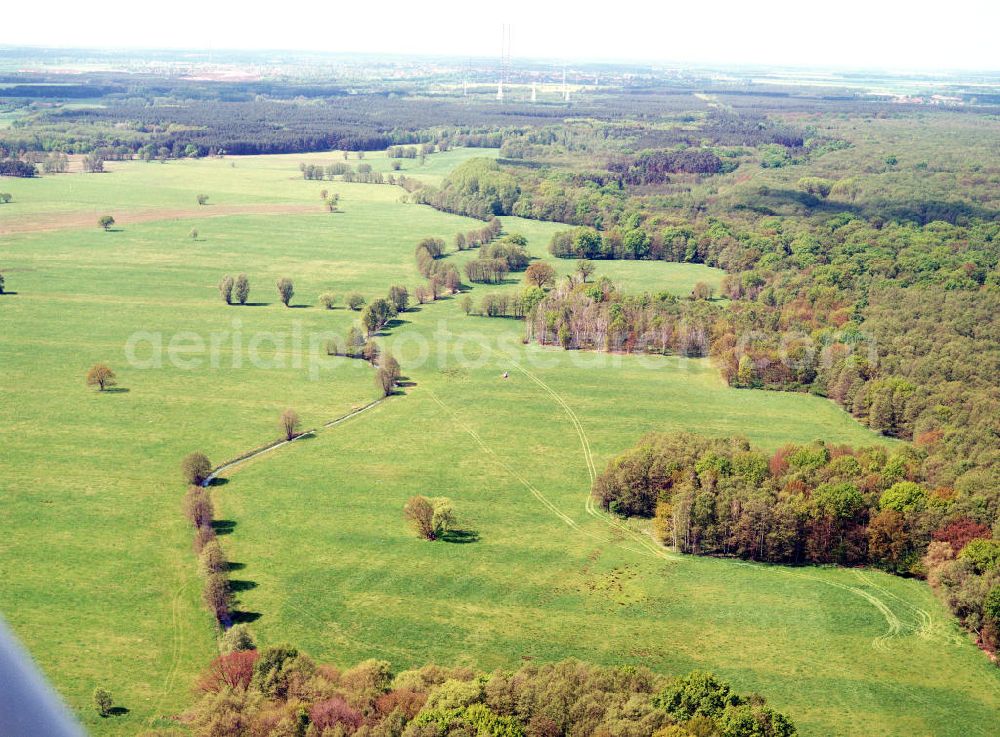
{"x":280,"y":443}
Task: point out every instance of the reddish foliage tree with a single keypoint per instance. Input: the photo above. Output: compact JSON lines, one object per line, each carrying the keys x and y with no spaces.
{"x":233,"y":670}
{"x":959,"y":533}
{"x":779,"y":461}
{"x":331,"y":712}
{"x":408,"y":701}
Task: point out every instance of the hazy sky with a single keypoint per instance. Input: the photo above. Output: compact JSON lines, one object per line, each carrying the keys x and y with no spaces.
{"x":959,"y":34}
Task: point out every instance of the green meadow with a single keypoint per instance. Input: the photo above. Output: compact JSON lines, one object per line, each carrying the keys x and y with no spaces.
{"x":100,"y":580}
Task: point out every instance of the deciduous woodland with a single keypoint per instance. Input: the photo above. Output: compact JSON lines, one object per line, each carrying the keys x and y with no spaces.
{"x":280,"y":690}
{"x":532,"y":409}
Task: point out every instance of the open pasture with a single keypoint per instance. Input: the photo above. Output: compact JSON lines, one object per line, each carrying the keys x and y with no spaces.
{"x":99,"y":578}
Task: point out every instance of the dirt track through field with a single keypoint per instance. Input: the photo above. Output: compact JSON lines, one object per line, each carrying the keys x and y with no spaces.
{"x":82,"y":219}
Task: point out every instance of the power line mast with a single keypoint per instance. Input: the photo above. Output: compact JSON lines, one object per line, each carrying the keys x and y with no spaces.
{"x":504,"y":59}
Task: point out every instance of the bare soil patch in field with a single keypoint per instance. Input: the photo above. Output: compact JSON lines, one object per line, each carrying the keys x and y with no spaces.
{"x":88,"y":218}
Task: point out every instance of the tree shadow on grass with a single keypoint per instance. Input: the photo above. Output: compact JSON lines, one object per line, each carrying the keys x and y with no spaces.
{"x":255,"y":304}
{"x":244,"y":617}
{"x":4,"y":294}
{"x":218,"y":481}
{"x":237,"y":585}
{"x":233,"y":565}
{"x":299,"y":307}
{"x":117,"y":390}
{"x":223,"y":526}
{"x":117,"y":711}
{"x":460,"y":537}
{"x":395,"y":323}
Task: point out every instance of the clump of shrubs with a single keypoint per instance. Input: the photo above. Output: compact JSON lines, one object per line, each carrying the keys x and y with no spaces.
{"x":430,"y":517}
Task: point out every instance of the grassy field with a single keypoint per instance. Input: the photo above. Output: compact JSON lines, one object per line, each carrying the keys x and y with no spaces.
{"x":99,"y":578}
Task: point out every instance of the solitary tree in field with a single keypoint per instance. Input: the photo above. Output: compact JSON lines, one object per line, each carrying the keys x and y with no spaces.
{"x":290,"y":423}
{"x":106,"y":221}
{"x":194,"y":234}
{"x":355,"y":302}
{"x":328,"y":300}
{"x":203,"y":199}
{"x":101,"y":376}
{"x":419,"y":512}
{"x":540,"y":274}
{"x":466,"y":304}
{"x":1,"y":283}
{"x":585,"y":268}
{"x":430,"y":518}
{"x":242,"y":289}
{"x":103,"y":701}
{"x":196,"y":467}
{"x":226,"y":289}
{"x":5,"y":197}
{"x":285,"y":290}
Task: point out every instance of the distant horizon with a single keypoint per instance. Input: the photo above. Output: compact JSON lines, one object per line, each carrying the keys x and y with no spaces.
{"x":856,"y":35}
{"x":516,"y":61}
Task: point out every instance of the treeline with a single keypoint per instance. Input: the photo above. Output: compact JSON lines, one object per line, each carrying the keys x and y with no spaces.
{"x":280,"y":690}
{"x":504,"y":304}
{"x":212,"y":563}
{"x":414,"y":152}
{"x":597,"y":316}
{"x":232,"y":118}
{"x":16,"y":168}
{"x":477,"y":188}
{"x":816,"y":504}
